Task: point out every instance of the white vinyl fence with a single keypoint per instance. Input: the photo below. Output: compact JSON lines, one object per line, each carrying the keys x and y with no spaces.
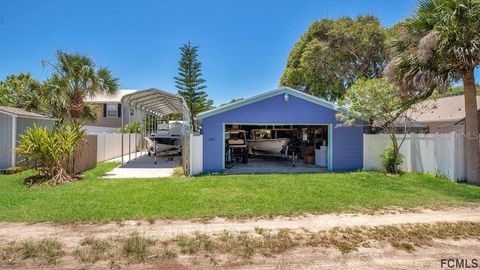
{"x":109,"y":145}
{"x":196,"y":154}
{"x":439,"y":154}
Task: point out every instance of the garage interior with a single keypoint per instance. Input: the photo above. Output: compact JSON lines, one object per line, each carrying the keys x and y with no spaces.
{"x":275,"y":148}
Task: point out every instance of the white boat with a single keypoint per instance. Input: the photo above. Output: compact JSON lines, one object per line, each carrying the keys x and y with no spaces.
{"x":262,"y":141}
{"x":269,"y":145}
{"x":162,"y":142}
{"x":165,"y":147}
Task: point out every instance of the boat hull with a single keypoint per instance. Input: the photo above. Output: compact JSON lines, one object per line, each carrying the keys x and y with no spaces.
{"x":269,"y":145}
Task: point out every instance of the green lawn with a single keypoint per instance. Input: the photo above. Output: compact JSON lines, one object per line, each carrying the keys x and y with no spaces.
{"x":208,"y":196}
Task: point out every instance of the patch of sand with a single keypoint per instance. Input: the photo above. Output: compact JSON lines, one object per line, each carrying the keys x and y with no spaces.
{"x":72,"y":233}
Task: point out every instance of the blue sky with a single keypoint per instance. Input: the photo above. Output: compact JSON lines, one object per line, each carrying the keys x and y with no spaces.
{"x":243,"y":44}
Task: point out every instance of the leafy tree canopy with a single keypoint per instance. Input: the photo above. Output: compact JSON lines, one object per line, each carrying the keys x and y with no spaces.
{"x":333,"y":54}
{"x":377,"y":101}
{"x":451,"y":91}
{"x":22,"y":91}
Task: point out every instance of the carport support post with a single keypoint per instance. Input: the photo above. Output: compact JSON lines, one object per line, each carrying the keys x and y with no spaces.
{"x":155,"y":150}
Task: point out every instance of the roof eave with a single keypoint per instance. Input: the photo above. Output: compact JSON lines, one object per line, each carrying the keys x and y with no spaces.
{"x":266,"y":95}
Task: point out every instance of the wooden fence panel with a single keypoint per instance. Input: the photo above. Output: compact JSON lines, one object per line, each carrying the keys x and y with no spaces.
{"x":86,"y":156}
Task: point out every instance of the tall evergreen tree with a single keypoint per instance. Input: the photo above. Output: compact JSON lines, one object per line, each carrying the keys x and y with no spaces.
{"x":190,"y":84}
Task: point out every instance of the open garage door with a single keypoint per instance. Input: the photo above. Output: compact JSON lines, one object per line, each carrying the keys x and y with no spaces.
{"x":276,"y":148}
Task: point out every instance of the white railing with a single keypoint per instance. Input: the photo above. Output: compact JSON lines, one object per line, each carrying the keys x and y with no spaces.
{"x":439,"y":154}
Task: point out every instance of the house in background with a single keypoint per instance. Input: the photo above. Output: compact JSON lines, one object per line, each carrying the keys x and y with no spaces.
{"x":13,"y":123}
{"x":441,"y":115}
{"x":109,"y":112}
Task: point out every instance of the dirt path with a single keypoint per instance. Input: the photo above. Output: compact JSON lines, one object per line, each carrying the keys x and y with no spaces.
{"x":72,"y":233}
{"x":371,"y":258}
{"x":378,"y":256}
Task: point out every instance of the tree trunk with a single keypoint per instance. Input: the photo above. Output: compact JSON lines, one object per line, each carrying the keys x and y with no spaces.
{"x":396,"y":148}
{"x":192,"y":122}
{"x":472,"y":145}
{"x":76,"y":110}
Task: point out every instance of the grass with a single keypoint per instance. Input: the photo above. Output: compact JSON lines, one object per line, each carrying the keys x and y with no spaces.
{"x":47,"y":250}
{"x":94,"y":199}
{"x":135,"y":247}
{"x":236,"y":247}
{"x":91,"y":250}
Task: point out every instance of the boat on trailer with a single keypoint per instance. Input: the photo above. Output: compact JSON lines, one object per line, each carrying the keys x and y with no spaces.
{"x":262,"y":141}
{"x":164,"y":141}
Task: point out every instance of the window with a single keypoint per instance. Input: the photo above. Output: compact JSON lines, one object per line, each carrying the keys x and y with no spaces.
{"x":112,"y":110}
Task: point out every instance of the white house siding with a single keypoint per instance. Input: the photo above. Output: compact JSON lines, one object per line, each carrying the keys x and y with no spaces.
{"x":5,"y":141}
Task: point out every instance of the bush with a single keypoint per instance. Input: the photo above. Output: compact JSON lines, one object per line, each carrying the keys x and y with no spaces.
{"x":391,"y":160}
{"x":134,"y":127}
{"x":50,"y":152}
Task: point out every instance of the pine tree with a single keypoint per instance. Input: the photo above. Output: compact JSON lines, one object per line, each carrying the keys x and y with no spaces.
{"x":189,"y":83}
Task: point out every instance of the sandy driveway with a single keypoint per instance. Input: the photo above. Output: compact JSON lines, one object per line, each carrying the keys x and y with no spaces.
{"x":72,"y":233}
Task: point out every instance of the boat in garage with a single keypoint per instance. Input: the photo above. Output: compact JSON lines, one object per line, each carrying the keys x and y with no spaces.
{"x":262,"y":141}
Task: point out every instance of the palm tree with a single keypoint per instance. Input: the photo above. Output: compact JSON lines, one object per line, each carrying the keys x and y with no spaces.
{"x":439,"y":45}
{"x":76,"y":77}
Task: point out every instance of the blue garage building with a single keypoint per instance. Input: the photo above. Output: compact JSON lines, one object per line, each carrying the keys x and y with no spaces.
{"x":284,"y":107}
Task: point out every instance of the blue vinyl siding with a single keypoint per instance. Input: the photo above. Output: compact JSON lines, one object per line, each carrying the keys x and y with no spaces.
{"x":347,"y":141}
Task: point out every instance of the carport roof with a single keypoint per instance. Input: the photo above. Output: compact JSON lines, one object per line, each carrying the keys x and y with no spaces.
{"x":155,"y":101}
{"x":262,"y":96}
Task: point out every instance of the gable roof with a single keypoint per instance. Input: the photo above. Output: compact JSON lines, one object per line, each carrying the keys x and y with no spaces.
{"x":442,"y":109}
{"x":22,"y":113}
{"x":102,"y":98}
{"x":262,"y":96}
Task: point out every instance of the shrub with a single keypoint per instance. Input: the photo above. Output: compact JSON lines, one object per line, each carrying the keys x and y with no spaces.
{"x":391,"y":160}
{"x":134,"y":127}
{"x":178,"y":172}
{"x":50,"y":152}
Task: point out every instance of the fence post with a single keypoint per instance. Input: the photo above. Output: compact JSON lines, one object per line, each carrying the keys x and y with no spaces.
{"x":412,"y":166}
{"x":122,"y":146}
{"x":365,"y":149}
{"x":135,"y":141}
{"x":129,"y":147}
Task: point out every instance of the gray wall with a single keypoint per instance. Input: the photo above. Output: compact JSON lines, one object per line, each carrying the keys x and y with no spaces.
{"x":5,"y":141}
{"x":24,"y":123}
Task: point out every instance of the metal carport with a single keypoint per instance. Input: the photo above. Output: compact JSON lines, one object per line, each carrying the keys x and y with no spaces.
{"x":153,"y":103}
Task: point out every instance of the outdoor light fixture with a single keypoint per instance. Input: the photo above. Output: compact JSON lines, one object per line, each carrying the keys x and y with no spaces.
{"x":285,"y":97}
